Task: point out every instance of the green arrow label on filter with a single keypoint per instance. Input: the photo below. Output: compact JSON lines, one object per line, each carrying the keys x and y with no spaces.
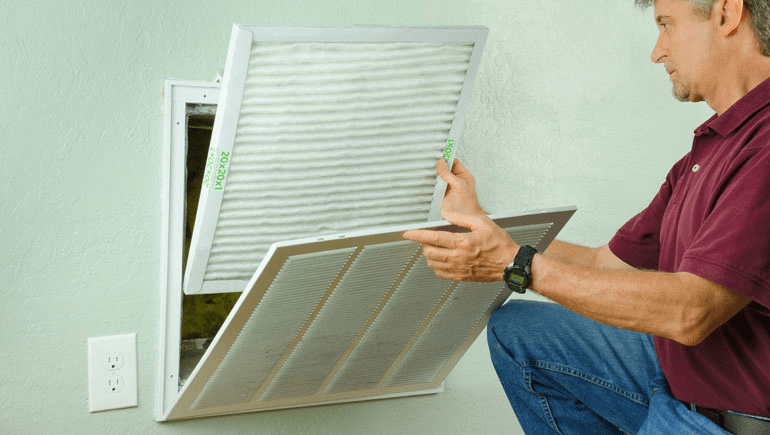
{"x":448,"y":149}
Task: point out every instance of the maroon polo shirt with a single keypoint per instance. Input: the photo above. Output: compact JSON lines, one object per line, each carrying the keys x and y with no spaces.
{"x":711,"y":218}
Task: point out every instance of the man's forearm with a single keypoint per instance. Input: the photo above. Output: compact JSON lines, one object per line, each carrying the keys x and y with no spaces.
{"x":680,"y":306}
{"x":600,"y":258}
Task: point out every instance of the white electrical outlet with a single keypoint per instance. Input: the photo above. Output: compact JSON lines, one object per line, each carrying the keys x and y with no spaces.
{"x":112,"y":372}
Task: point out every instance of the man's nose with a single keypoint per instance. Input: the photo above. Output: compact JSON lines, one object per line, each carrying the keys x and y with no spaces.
{"x":658,"y":53}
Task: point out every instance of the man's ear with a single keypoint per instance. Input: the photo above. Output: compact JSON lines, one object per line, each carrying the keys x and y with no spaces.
{"x":729,"y":14}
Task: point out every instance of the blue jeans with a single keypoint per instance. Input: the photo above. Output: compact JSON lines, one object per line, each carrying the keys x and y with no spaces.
{"x":566,"y":374}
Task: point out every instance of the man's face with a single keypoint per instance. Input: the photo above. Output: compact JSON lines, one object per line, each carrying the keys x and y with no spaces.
{"x":684,"y":48}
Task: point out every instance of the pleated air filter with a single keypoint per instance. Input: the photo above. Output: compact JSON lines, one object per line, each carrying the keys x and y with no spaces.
{"x":325,"y":130}
{"x":345,"y":318}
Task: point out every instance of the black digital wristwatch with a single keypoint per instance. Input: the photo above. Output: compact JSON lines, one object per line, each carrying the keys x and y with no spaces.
{"x":517,"y":274}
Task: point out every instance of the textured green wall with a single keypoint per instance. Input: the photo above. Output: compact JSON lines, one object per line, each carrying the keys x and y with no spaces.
{"x":567,"y":110}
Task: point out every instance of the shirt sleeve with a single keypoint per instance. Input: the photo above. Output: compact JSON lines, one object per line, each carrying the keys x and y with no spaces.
{"x":637,"y":242}
{"x":732,"y":247}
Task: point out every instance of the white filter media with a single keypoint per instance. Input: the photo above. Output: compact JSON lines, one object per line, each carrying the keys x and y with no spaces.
{"x":334,"y":137}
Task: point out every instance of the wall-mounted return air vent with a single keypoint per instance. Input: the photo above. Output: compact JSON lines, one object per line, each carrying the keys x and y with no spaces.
{"x":293,"y":338}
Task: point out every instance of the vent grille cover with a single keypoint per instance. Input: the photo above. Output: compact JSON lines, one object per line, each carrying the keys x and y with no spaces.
{"x":325,"y":130}
{"x":349,"y":317}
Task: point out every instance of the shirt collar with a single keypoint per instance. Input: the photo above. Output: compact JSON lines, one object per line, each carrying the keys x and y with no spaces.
{"x":739,"y":112}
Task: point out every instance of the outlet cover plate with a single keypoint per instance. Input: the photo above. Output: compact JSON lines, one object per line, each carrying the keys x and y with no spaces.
{"x":112,"y":372}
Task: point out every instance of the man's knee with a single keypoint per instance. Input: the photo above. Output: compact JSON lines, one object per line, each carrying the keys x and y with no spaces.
{"x":519,"y":324}
{"x":518,"y":316}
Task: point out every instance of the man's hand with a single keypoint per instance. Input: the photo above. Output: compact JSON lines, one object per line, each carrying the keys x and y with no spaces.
{"x":460,"y":195}
{"x":480,"y":255}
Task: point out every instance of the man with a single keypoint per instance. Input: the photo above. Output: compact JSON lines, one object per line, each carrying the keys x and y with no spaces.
{"x":666,"y":329}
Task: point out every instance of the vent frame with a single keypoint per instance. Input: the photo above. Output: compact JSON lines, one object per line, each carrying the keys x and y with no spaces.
{"x":177,"y":95}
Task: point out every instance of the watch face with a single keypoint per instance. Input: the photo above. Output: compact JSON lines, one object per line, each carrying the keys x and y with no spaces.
{"x":515,"y":278}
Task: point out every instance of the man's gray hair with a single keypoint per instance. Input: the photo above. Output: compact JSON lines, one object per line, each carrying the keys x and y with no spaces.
{"x":759,"y":11}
